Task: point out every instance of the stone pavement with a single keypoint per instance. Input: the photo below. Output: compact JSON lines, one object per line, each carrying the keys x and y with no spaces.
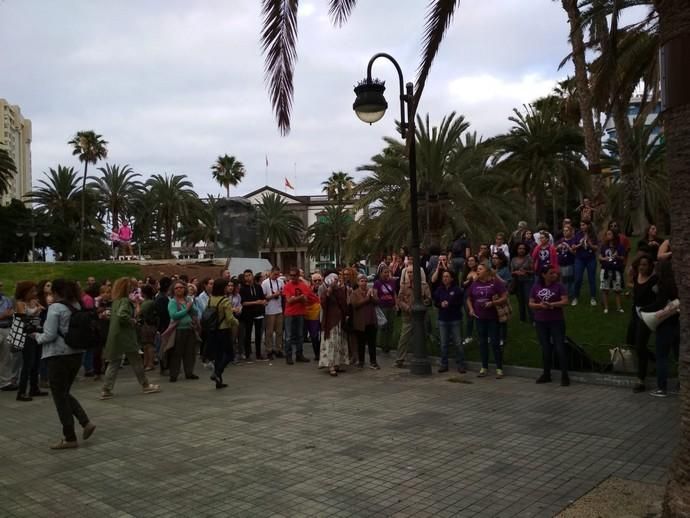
{"x":292,"y":441}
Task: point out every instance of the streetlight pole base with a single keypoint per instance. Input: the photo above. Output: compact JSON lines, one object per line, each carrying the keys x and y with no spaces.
{"x":420,"y":366}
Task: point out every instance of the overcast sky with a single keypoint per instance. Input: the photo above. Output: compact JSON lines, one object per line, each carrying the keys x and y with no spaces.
{"x":172,"y":84}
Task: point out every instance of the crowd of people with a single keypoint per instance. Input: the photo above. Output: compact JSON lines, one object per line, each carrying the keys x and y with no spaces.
{"x":169,"y":323}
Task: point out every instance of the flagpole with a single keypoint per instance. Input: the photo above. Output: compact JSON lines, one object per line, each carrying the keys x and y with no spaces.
{"x":266,"y":172}
{"x":295,"y":172}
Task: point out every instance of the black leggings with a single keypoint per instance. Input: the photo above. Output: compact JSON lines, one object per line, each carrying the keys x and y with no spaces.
{"x":364,"y":338}
{"x":31,"y":361}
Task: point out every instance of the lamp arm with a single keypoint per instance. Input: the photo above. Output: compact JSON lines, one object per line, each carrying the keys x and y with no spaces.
{"x":403,"y":97}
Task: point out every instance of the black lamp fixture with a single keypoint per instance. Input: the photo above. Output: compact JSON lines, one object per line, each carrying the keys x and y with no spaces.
{"x":370,"y":104}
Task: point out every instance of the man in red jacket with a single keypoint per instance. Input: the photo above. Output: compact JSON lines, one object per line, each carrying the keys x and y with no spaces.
{"x":297,"y":296}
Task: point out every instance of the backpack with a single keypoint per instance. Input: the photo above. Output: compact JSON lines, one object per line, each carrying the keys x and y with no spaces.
{"x":210,"y":320}
{"x":83,"y":331}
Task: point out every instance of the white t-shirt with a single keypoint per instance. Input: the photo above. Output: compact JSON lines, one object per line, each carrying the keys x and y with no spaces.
{"x":503,"y":248}
{"x":274,"y":306}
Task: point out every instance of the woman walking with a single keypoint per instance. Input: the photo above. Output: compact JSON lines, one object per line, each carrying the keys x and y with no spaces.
{"x":333,"y":353}
{"x":547,"y":300}
{"x":449,"y":300}
{"x":644,"y":282}
{"x":486,"y":293}
{"x":220,"y":337}
{"x":29,"y":310}
{"x":64,"y":362}
{"x":182,"y":313}
{"x":523,"y":279}
{"x":364,"y":300}
{"x":122,"y":340}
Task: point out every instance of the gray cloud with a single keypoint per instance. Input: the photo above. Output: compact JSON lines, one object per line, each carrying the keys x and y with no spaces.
{"x":173,"y":84}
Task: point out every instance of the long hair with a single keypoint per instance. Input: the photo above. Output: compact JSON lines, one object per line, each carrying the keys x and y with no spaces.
{"x":121,"y":288}
{"x":67,"y":290}
{"x":22,"y":289}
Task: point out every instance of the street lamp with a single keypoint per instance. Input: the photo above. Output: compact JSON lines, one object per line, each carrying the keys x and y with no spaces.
{"x":370,"y":106}
{"x":32,"y":234}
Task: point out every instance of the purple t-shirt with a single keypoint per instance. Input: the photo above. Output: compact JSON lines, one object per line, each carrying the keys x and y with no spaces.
{"x":565,"y":256}
{"x":386,"y":292}
{"x":612,"y":257}
{"x":482,"y":292}
{"x":552,"y":293}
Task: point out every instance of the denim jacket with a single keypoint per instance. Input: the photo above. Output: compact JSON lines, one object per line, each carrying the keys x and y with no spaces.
{"x":56,"y":324}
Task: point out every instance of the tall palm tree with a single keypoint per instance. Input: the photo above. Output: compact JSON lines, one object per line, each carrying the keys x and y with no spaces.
{"x":542,"y":152}
{"x":278,"y":224}
{"x":674,"y":33}
{"x":90,"y":147}
{"x":171,"y":197}
{"x":327,"y":235}
{"x":227,"y":171}
{"x":279,"y":43}
{"x":8,"y":170}
{"x":116,"y":189}
{"x":338,"y":187}
{"x":591,"y":133}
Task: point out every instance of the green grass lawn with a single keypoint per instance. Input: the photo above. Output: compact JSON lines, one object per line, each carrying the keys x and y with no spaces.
{"x":11,"y":273}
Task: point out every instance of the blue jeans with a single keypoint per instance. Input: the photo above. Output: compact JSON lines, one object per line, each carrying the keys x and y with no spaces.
{"x":568,"y":279}
{"x":667,"y":339}
{"x":451,"y":336}
{"x":488,"y":332}
{"x":580,"y":266}
{"x":294,"y":328}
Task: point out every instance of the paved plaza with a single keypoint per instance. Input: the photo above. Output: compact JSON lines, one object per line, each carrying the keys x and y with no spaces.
{"x":292,"y":441}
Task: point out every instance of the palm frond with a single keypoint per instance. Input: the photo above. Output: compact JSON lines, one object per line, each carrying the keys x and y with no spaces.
{"x":438,"y":18}
{"x":340,"y":11}
{"x":279,"y":45}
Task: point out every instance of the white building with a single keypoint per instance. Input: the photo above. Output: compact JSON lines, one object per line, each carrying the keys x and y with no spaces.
{"x":15,"y":137}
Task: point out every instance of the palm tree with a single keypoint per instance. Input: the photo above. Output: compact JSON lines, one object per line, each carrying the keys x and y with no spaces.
{"x":227,"y":171}
{"x":338,"y":187}
{"x":278,"y":224}
{"x":674,"y":32}
{"x":8,"y":170}
{"x":279,"y":43}
{"x":90,"y":147}
{"x":116,"y":189}
{"x":170,"y":198}
{"x":543,"y":153}
{"x":590,"y":129}
{"x":327,"y":235}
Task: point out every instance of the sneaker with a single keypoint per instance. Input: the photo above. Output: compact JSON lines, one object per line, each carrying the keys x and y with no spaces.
{"x":483,"y":373}
{"x":606,"y":311}
{"x":192,"y":377}
{"x":374,"y":366}
{"x":105,"y":395}
{"x":574,"y":302}
{"x":88,"y":430}
{"x":544,"y":379}
{"x":152,"y":389}
{"x":621,"y":310}
{"x":442,"y":369}
{"x":658,"y":393}
{"x":592,"y":302}
{"x":499,"y":374}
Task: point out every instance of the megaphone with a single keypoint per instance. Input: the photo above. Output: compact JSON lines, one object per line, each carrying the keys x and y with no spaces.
{"x":653,"y":319}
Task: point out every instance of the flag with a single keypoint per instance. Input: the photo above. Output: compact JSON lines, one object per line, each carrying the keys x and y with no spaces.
{"x":288,"y":184}
{"x":266,"y":160}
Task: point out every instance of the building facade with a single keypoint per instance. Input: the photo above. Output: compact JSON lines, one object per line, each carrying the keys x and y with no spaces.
{"x":15,"y":137}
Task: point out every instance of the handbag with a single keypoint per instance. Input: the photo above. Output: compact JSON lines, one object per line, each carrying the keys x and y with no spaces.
{"x":623,"y":359}
{"x":17,"y":336}
{"x":167,"y":338}
{"x":381,"y":319}
{"x":504,"y":311}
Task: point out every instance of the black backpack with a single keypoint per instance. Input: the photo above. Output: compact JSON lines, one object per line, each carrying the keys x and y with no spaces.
{"x":83,"y":331}
{"x":210,"y":319}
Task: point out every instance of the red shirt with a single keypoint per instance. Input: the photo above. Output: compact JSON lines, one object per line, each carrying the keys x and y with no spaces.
{"x":291,"y":289}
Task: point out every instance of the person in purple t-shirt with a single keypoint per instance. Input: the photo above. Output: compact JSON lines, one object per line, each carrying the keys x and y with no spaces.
{"x":485,"y":293}
{"x":612,"y":259}
{"x":547,"y":300}
{"x":586,"y":246}
{"x":388,"y":302}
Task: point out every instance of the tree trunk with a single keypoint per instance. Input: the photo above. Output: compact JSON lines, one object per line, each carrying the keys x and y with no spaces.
{"x":675,"y":40}
{"x":227,"y":191}
{"x":592,"y":137}
{"x":554,"y":212}
{"x":629,"y":174}
{"x":83,"y":214}
{"x":540,"y":206}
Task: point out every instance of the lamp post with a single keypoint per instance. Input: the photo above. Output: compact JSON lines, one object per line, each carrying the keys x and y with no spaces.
{"x":370,"y":106}
{"x":32,"y":234}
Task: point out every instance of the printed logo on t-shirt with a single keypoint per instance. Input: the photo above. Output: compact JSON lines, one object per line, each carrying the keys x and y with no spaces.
{"x":545,"y":294}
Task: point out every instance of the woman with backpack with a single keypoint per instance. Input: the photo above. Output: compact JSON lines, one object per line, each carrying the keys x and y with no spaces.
{"x":64,"y":362}
{"x":122,"y":339}
{"x":218,"y":320}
